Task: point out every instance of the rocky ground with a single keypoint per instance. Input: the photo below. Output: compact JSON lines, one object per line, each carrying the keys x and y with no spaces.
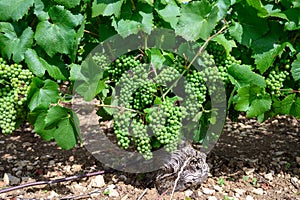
{"x":250,"y":161}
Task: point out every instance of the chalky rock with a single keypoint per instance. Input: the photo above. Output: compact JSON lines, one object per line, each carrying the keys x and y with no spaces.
{"x":193,"y":174}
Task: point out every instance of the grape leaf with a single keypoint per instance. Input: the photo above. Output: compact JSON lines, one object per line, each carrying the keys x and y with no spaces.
{"x":39,"y":11}
{"x":243,"y":76}
{"x":236,"y":31}
{"x":258,"y":6}
{"x":265,"y":60}
{"x":223,"y":6}
{"x":11,"y":44}
{"x":170,"y":14}
{"x":42,"y":94}
{"x":227,"y":44}
{"x":39,"y":127}
{"x":90,"y":74}
{"x":60,"y":35}
{"x":64,"y":135}
{"x":295,"y":108}
{"x":68,"y":3}
{"x":156,"y":57}
{"x":197,"y":20}
{"x":293,"y":22}
{"x":295,"y":70}
{"x":250,"y":21}
{"x":55,"y":115}
{"x":14,"y":10}
{"x":108,"y":8}
{"x":38,"y":66}
{"x":284,"y":106}
{"x":250,"y":100}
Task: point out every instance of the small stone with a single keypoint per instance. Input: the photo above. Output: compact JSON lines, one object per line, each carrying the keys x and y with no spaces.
{"x":208,"y":191}
{"x":218,"y":188}
{"x":113,"y":193}
{"x":258,"y":191}
{"x":188,"y":193}
{"x":71,"y":158}
{"x":2,"y":169}
{"x":29,"y":167}
{"x":248,"y":197}
{"x":26,"y":144}
{"x":53,"y":195}
{"x":97,"y":182}
{"x":298,"y":160}
{"x":9,"y":179}
{"x":239,"y":191}
{"x":2,"y":142}
{"x":212,"y":198}
{"x":19,"y":173}
{"x":248,"y":171}
{"x":51,"y":162}
{"x":269,"y":176}
{"x":76,"y":168}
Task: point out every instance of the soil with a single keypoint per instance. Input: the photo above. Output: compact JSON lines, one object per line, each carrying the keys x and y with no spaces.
{"x":250,"y":161}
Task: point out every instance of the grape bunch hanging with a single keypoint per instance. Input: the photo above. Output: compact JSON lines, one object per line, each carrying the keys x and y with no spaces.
{"x":151,"y":114}
{"x":14,"y":82}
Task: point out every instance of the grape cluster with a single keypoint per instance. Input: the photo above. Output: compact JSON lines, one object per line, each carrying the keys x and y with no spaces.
{"x":122,"y":121}
{"x":144,"y":96}
{"x":141,"y":138}
{"x":121,"y":65}
{"x":101,"y":61}
{"x":166,"y":76}
{"x":275,"y":82}
{"x":14,"y":81}
{"x":222,"y":60}
{"x":166,"y":123}
{"x":196,"y":90}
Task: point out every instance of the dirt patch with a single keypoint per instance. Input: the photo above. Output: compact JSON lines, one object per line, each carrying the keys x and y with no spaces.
{"x":250,"y":161}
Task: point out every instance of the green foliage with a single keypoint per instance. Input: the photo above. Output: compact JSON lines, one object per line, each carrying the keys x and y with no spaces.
{"x":257,"y":56}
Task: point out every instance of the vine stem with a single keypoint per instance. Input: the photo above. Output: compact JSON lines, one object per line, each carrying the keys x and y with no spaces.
{"x":178,"y":176}
{"x":201,"y":50}
{"x":55,"y":181}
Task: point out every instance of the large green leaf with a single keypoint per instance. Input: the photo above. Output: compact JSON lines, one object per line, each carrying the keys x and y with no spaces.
{"x":68,"y":3}
{"x":87,"y":78}
{"x":42,"y":94}
{"x":197,"y":20}
{"x":227,"y":44}
{"x":266,"y":59}
{"x":39,"y":127}
{"x":12,"y":45}
{"x":296,"y":68}
{"x":55,"y":115}
{"x":63,"y":126}
{"x":14,"y":9}
{"x":251,"y":100}
{"x":236,"y":31}
{"x":243,"y":76}
{"x":250,"y":22}
{"x":58,"y":36}
{"x":170,"y":14}
{"x":107,"y":8}
{"x":293,"y":22}
{"x":65,"y":135}
{"x":38,"y":66}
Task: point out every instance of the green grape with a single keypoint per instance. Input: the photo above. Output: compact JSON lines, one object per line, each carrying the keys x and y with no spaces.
{"x":275,"y":82}
{"x":14,"y":81}
{"x":121,"y":125}
{"x":166,"y":123}
{"x":101,"y":61}
{"x":121,"y":65}
{"x":144,"y":96}
{"x":141,"y":138}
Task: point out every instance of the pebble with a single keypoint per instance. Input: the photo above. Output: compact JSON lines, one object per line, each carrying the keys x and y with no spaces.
{"x":188,"y":193}
{"x":258,"y":191}
{"x":9,"y":179}
{"x":212,"y":198}
{"x":97,"y":182}
{"x":51,"y":162}
{"x":269,"y":176}
{"x":239,"y":191}
{"x":218,"y":188}
{"x":248,"y":197}
{"x":208,"y":191}
{"x":76,"y":168}
{"x":53,"y":195}
{"x":298,"y":160}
